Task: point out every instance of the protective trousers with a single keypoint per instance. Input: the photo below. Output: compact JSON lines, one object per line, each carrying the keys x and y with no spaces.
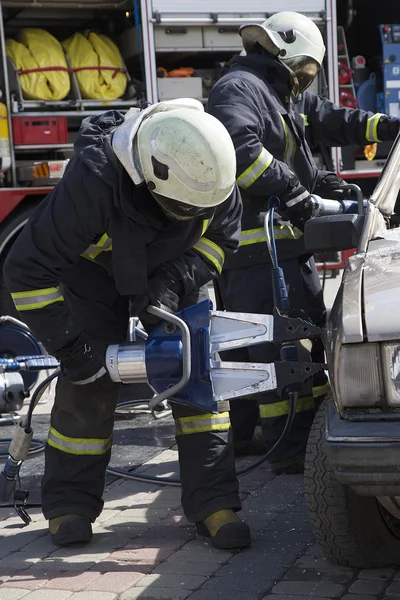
{"x":79,"y":443}
{"x":249,"y":290}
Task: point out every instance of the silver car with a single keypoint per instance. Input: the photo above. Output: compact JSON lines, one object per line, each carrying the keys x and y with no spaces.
{"x":352,"y":470}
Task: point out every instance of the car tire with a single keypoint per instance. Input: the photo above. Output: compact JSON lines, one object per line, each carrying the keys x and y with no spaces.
{"x":355,"y":531}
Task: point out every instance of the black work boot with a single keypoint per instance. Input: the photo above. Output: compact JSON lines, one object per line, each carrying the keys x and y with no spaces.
{"x":225,"y":529}
{"x":254,"y":447}
{"x":70,"y":529}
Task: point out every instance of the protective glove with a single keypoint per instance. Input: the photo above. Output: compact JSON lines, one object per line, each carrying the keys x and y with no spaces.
{"x":162,"y":291}
{"x":80,"y":364}
{"x":296,"y":204}
{"x":332,"y":187}
{"x":388,"y":128}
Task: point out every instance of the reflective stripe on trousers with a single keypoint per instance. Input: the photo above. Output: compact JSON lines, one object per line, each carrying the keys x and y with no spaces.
{"x":371,"y":132}
{"x":202,"y":423}
{"x":282,"y":232}
{"x":281,"y":408}
{"x":211,"y":251}
{"x":79,"y":446}
{"x":34,"y":299}
{"x":255,"y":170}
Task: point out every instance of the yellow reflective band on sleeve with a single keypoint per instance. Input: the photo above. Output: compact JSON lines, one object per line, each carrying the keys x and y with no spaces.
{"x":321,"y":390}
{"x":206,"y":224}
{"x":79,"y":446}
{"x":255,"y":170}
{"x":202,"y":423}
{"x":103,"y":245}
{"x":305,"y":119}
{"x":256,"y":236}
{"x":35,"y":299}
{"x":371,"y":132}
{"x":212,"y":252}
{"x":290,"y":145}
{"x":280,"y":409}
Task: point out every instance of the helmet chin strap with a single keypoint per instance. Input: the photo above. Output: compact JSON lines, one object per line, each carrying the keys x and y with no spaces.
{"x":294,"y":82}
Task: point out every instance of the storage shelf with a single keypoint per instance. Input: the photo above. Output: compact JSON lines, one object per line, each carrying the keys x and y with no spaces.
{"x":62,"y":113}
{"x":200,"y":49}
{"x":75,"y":109}
{"x":43,"y":147}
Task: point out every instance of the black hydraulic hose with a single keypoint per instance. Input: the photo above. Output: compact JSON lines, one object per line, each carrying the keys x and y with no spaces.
{"x":37,"y":394}
{"x":136,"y":476}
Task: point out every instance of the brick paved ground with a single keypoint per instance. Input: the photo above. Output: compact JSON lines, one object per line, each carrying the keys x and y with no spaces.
{"x":144,"y":549}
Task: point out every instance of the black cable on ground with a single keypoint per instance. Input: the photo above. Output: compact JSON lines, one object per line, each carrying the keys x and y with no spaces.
{"x":38,"y":446}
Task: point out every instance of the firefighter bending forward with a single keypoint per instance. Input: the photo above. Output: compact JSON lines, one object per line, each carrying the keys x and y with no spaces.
{"x":145,"y":214}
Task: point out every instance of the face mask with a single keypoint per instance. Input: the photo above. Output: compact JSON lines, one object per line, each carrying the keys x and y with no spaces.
{"x":304,"y":68}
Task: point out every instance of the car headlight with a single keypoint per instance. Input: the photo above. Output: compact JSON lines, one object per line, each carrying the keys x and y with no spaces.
{"x":359,"y":381}
{"x":391,"y":372}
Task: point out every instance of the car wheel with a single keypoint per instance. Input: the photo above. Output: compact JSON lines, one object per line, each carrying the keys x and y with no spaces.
{"x":353,"y":530}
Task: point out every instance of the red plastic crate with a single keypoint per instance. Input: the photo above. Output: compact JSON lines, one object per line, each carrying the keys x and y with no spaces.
{"x":36,"y":131}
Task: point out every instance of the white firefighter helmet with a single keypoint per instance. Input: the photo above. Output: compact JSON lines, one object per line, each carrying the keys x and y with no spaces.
{"x":293,"y":38}
{"x":184,"y":155}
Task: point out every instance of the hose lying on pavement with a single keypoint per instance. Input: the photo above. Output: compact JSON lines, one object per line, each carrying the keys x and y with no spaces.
{"x":38,"y":446}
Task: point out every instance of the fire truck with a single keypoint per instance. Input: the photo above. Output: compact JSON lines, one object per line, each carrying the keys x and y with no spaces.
{"x":172,"y":48}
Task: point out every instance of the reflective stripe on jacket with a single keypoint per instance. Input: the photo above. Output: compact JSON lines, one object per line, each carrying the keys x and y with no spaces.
{"x":272,"y":138}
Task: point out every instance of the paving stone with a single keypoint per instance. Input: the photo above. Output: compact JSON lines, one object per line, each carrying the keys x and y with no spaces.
{"x":252,"y":561}
{"x":70,"y":580}
{"x":48,"y":595}
{"x":384,"y":574}
{"x":167,"y":580}
{"x":143,"y":593}
{"x":367,"y":586}
{"x":50,"y":564}
{"x":205,"y":595}
{"x":203,"y":555}
{"x":12,"y":593}
{"x":186,"y":568}
{"x":115,"y":582}
{"x":40,"y":547}
{"x":238,"y":582}
{"x":89,"y":595}
{"x":142,"y":556}
{"x":28,"y":580}
{"x":320,"y":564}
{"x":393,"y":590}
{"x":107,"y":566}
{"x":310,"y":589}
{"x":291,"y":597}
{"x":16,"y":560}
{"x":297,"y":574}
{"x":7,"y":575}
{"x":359,"y":597}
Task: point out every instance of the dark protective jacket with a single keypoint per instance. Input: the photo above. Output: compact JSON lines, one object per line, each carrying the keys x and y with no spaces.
{"x":272,"y":137}
{"x":97,"y":213}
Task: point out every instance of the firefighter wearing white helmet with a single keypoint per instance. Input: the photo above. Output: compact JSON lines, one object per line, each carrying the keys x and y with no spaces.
{"x":274,"y":119}
{"x":294,"y":39}
{"x":146,"y":213}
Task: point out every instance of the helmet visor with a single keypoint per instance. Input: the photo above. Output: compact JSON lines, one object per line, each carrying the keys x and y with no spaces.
{"x":181,"y":211}
{"x":305,"y":68}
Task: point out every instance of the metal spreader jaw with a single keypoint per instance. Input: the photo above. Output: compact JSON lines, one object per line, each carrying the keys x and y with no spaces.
{"x":180,"y":358}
